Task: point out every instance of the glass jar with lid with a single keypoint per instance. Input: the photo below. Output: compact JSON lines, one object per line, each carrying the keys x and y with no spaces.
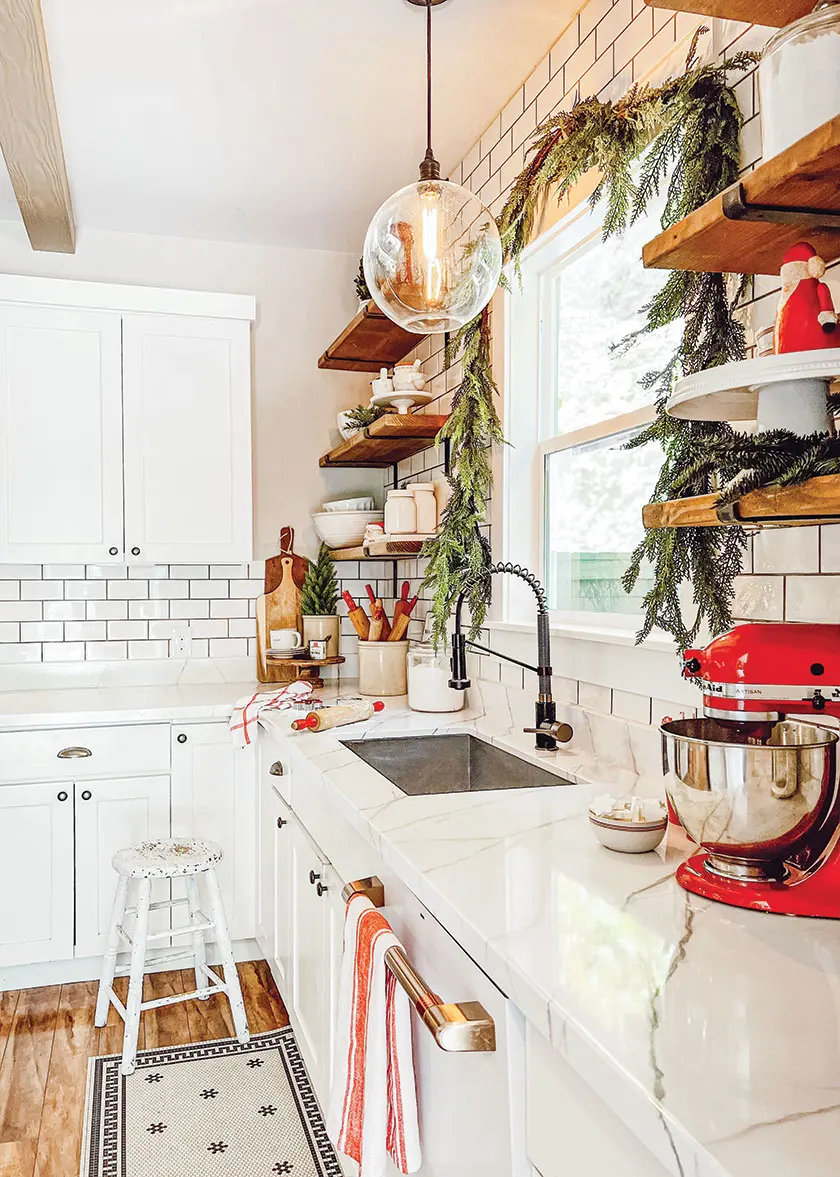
{"x":428,"y":680}
{"x":799,"y":77}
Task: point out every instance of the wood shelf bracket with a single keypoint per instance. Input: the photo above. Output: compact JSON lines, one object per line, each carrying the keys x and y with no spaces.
{"x":736,"y":207}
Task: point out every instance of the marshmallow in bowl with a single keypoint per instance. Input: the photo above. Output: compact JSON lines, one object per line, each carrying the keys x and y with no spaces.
{"x":628,"y":809}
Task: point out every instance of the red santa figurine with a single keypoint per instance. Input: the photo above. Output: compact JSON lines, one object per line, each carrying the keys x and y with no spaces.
{"x":805,"y":320}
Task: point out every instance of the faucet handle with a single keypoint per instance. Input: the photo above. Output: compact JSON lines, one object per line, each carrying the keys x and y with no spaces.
{"x":561,"y":732}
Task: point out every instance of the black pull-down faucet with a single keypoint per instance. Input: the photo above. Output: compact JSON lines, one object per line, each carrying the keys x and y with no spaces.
{"x":546,"y":728}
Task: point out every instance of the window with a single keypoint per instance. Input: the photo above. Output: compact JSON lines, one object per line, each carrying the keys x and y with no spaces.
{"x":574,"y":398}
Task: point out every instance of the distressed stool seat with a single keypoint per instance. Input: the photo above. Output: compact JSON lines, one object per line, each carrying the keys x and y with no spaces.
{"x":166,"y":858}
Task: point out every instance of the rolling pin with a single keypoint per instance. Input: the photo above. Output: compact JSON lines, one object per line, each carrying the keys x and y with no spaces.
{"x":318,"y":721}
{"x":385,"y":632}
{"x":399,"y":627}
{"x":377,"y":624}
{"x":357,"y":615}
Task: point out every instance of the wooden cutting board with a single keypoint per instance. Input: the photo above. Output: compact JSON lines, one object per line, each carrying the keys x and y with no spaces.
{"x":274,"y":567}
{"x":279,"y":609}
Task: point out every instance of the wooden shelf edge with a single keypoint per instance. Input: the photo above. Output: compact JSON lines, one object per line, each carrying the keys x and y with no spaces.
{"x":808,"y":503}
{"x":769,"y":12}
{"x":803,"y":177}
{"x":390,"y":550}
{"x":387,"y":441}
{"x":370,"y":341}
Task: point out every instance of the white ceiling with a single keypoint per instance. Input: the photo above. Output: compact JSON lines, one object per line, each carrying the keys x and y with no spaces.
{"x":280,"y":122}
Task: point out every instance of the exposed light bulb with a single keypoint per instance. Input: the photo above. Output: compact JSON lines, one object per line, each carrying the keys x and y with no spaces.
{"x":430,"y":236}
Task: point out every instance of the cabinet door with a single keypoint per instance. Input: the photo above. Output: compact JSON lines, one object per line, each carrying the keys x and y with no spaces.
{"x":214,"y":796}
{"x":61,"y":496}
{"x":274,"y":772}
{"x":36,"y":873}
{"x":310,"y":973}
{"x":112,"y":814}
{"x":187,"y":406}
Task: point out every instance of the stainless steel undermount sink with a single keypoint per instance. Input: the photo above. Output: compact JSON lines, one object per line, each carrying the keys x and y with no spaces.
{"x":422,"y":765}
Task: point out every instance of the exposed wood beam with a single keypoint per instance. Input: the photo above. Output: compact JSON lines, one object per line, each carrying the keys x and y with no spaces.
{"x":29,"y":132}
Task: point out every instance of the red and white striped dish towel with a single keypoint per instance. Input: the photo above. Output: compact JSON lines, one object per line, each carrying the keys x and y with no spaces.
{"x":373,"y":1103}
{"x":247,"y":711}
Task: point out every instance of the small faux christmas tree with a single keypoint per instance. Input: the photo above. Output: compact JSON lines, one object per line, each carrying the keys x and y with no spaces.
{"x":319,"y":592}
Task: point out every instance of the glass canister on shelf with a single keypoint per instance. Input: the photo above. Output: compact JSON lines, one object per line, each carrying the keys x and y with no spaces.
{"x":426,"y":503}
{"x":400,"y":513}
{"x":428,"y":680}
{"x":799,"y":78}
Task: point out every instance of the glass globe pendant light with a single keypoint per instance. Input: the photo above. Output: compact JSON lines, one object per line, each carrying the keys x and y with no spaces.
{"x":433,"y":255}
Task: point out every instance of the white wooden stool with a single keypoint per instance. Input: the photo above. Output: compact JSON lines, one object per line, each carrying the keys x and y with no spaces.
{"x":167,"y":858}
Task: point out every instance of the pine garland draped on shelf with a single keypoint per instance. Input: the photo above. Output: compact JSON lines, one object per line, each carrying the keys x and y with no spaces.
{"x":683,"y":135}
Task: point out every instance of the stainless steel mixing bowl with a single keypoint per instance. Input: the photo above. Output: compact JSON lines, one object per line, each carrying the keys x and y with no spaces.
{"x":752,"y":795}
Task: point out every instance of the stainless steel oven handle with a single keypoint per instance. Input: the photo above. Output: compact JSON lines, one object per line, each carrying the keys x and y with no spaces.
{"x":459,"y":1027}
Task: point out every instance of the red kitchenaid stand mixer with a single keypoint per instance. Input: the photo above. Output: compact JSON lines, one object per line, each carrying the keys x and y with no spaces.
{"x":754,"y":782}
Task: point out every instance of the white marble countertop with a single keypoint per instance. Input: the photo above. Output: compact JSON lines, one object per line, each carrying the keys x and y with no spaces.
{"x":79,"y":706}
{"x":713,"y":1032}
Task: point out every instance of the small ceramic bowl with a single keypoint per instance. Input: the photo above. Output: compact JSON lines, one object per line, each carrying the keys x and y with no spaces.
{"x":628,"y":837}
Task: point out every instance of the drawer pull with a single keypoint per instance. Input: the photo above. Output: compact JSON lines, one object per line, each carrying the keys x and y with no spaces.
{"x":86,"y":795}
{"x":465,"y":1027}
{"x":62,"y":796}
{"x":321,"y":889}
{"x":313,"y":878}
{"x":74,"y":753}
{"x":276,"y":769}
{"x":181,"y":738}
{"x":281,"y":821}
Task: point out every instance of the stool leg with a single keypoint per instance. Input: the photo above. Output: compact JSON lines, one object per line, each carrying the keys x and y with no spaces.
{"x":109,"y":964}
{"x":234,"y":992}
{"x":199,"y":950}
{"x":135,"y":984}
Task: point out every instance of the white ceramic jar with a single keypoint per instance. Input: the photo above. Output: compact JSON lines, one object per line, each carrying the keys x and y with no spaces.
{"x":400,"y":513}
{"x":382,"y":668}
{"x":426,"y":503}
{"x":799,"y":78}
{"x":428,"y":681}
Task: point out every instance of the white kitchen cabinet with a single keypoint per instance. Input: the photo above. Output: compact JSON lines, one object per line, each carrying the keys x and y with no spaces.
{"x":61,"y":476}
{"x":36,"y":872}
{"x":279,"y":820}
{"x":310,"y":981}
{"x":111,"y":814}
{"x":187,"y":408}
{"x":214,"y":796}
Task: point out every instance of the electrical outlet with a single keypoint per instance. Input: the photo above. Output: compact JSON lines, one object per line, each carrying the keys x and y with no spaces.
{"x":180,"y":645}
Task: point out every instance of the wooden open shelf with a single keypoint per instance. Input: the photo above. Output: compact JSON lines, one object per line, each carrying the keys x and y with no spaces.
{"x":388,"y":550}
{"x":814,"y":501}
{"x":370,"y":342}
{"x":760,"y":12}
{"x":804,"y":177}
{"x":387,"y":441}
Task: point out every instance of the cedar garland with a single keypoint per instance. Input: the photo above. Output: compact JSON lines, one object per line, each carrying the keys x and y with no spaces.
{"x":683,"y":135}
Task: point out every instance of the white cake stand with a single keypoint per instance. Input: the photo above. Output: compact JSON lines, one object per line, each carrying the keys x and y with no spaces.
{"x":779,"y":392}
{"x":401,"y":399}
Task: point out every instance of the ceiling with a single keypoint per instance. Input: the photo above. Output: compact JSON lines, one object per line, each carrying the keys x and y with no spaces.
{"x":283,"y":122}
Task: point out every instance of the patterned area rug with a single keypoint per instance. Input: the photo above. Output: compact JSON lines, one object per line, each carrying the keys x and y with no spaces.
{"x":211,"y":1108}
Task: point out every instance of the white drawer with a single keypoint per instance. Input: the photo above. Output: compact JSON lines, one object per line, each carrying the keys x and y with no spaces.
{"x":137,"y":750}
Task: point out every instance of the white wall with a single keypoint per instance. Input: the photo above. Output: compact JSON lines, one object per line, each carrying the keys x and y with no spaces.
{"x":304,"y":298}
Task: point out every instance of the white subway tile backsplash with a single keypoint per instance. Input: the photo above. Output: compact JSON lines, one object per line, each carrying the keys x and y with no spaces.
{"x":228,"y":608}
{"x":63,"y":572}
{"x":20,"y":571}
{"x":41,"y":590}
{"x":812,"y":598}
{"x":148,"y":572}
{"x":9,"y":631}
{"x":106,"y":572}
{"x":627,"y":705}
{"x":9,"y":590}
{"x":169,"y":590}
{"x":64,"y":651}
{"x":245,"y":627}
{"x":246,"y":588}
{"x":210,"y":629}
{"x":228,"y":648}
{"x":106,"y":610}
{"x":20,"y":611}
{"x":209,"y":589}
{"x":146,"y":610}
{"x":595,"y":698}
{"x":146,"y":650}
{"x":128,"y":630}
{"x":14,"y":655}
{"x":186,"y":610}
{"x":41,"y":631}
{"x":787,"y":549}
{"x":125,"y":590}
{"x":64,"y":610}
{"x":84,"y":590}
{"x":229,"y":571}
{"x":759,"y":598}
{"x":85,"y":631}
{"x":189,"y":571}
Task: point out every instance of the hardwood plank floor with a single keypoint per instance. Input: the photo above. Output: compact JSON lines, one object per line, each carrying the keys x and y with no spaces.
{"x":47,"y":1036}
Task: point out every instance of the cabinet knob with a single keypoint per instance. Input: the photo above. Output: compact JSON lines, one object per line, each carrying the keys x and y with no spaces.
{"x":73,"y":753}
{"x":181,"y":737}
{"x":113,"y":551}
{"x":86,"y":795}
{"x":313,"y":877}
{"x":321,"y":889}
{"x":276,"y":768}
{"x":281,"y":821}
{"x":62,"y":796}
{"x":135,"y":551}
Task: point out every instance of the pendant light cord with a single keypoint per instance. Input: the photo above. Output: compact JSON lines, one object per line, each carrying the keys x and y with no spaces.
{"x":429,"y":168}
{"x":429,"y":78}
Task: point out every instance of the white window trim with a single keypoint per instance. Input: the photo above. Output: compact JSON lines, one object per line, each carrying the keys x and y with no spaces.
{"x":537,"y":260}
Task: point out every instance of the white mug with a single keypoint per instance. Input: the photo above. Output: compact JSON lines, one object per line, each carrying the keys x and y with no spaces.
{"x":285,"y":639}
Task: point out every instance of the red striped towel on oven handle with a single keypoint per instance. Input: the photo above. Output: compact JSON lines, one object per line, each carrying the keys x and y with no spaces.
{"x":373,"y":1104}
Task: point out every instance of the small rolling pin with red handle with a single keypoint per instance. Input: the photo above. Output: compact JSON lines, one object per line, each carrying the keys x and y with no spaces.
{"x":357,"y":615}
{"x":319,"y":721}
{"x":402,"y":618}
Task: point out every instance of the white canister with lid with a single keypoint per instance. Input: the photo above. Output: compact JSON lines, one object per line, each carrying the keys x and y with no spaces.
{"x":799,"y":78}
{"x":424,"y":498}
{"x":400,"y":513}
